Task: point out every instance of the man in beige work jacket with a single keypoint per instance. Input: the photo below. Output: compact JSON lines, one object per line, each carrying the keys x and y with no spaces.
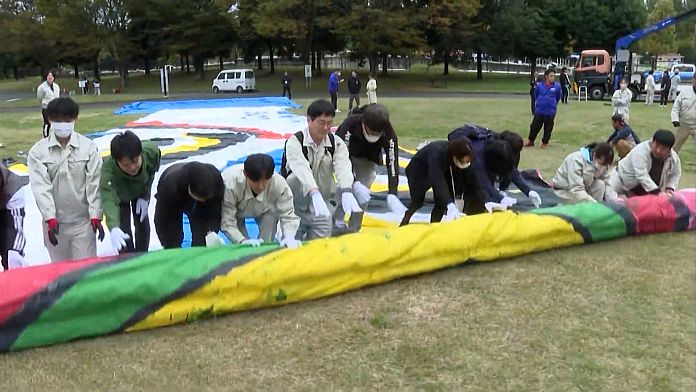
{"x":254,"y":190}
{"x":64,"y":172}
{"x":312,"y":159}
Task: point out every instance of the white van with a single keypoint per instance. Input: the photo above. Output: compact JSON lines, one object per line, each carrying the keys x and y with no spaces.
{"x":238,"y":80}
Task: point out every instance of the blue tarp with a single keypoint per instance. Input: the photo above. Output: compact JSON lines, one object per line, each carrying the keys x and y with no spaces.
{"x":140,"y":107}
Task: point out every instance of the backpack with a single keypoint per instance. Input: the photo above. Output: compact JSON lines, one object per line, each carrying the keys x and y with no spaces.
{"x":471,"y":131}
{"x":284,"y":171}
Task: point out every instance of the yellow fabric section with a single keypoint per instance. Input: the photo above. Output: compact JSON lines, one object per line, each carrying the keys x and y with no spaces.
{"x":195,"y":144}
{"x":19,"y":169}
{"x":331,"y":266}
{"x":385,"y":187}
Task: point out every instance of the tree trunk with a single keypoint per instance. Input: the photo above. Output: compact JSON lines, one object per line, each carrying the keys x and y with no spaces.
{"x":314,"y":63}
{"x":320,"y":58}
{"x":15,"y":71}
{"x":220,"y":66}
{"x":384,"y":63}
{"x":77,"y":71}
{"x":259,"y":62}
{"x":532,"y":69}
{"x":446,"y":58}
{"x":95,"y":67}
{"x":199,"y":64}
{"x":270,"y":51}
{"x":479,"y":64}
{"x":188,"y":64}
{"x":146,"y":60}
{"x":181,"y":62}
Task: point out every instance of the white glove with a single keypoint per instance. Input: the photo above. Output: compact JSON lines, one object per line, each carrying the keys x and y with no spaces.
{"x":508,"y":201}
{"x":535,"y":198}
{"x":141,"y":209}
{"x":253,"y":243}
{"x":502,"y":193}
{"x":395,"y":205}
{"x":349,"y":203}
{"x":320,"y":207}
{"x":490,"y":207}
{"x":362,"y":193}
{"x":452,"y":213}
{"x":118,"y":239}
{"x":290,"y":243}
{"x":212,"y":239}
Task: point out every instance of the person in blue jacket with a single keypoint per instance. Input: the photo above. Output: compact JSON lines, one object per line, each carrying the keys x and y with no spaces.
{"x":334,"y":80}
{"x":547,"y":94}
{"x":497,"y":158}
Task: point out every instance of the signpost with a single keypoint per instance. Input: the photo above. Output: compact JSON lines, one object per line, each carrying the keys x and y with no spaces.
{"x":164,"y":81}
{"x":308,"y":75}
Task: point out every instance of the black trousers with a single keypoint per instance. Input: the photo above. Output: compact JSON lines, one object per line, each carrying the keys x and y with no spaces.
{"x":46,"y":124}
{"x":535,"y":127}
{"x":334,"y":99}
{"x":531,"y":95}
{"x":142,"y":229}
{"x":664,"y":95}
{"x":353,"y":97}
{"x":419,"y":183}
{"x":565,"y":91}
{"x":11,"y":233}
{"x":286,"y":89}
{"x":170,"y":227}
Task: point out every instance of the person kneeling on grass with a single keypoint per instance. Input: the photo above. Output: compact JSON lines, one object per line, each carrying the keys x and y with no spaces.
{"x":650,"y":168}
{"x":125,"y":186}
{"x":623,"y":139}
{"x":192,"y":188}
{"x":497,"y":159}
{"x":444,"y":166}
{"x":254,"y":190}
{"x":12,"y":240}
{"x":64,"y":172}
{"x":584,"y":175}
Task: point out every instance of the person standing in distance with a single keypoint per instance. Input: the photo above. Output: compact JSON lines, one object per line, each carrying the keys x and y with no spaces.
{"x":47,"y":92}
{"x":354,"y":85}
{"x":650,"y":89}
{"x":547,"y":94}
{"x":287,"y":81}
{"x":371,"y":89}
{"x":684,"y":116}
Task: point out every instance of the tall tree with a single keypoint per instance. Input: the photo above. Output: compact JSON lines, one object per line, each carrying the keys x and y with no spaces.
{"x":114,"y":21}
{"x":449,"y":25}
{"x":664,"y":41}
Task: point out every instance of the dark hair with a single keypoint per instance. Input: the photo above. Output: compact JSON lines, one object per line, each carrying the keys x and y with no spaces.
{"x":63,"y":109}
{"x":516,"y":143}
{"x":203,"y":179}
{"x":376,"y":118}
{"x":50,"y":72}
{"x":259,"y":167}
{"x":616,"y":117}
{"x":499,"y":159}
{"x":625,"y":80}
{"x":459,"y":148}
{"x":320,"y":107}
{"x":650,"y":72}
{"x":564,"y":69}
{"x":664,"y":137}
{"x":548,"y":72}
{"x":603,"y":151}
{"x":126,"y":145}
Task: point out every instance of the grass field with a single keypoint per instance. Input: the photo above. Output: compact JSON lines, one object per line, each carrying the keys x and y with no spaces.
{"x":615,"y":316}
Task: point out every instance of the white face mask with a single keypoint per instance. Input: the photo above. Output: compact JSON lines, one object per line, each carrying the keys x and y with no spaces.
{"x":371,"y":138}
{"x":461,"y":165}
{"x":63,"y":130}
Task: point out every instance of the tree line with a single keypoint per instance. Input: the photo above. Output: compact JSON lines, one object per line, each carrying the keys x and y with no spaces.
{"x":41,"y":34}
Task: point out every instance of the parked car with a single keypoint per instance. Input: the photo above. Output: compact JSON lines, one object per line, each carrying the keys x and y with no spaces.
{"x":238,"y":80}
{"x":686,"y":73}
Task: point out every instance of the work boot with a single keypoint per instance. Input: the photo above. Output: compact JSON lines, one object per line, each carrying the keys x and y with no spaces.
{"x":529,"y":143}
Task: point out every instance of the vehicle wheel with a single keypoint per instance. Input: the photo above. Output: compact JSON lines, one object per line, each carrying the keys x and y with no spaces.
{"x":216,"y":90}
{"x":635,"y":92}
{"x":240,"y":89}
{"x":596,"y":93}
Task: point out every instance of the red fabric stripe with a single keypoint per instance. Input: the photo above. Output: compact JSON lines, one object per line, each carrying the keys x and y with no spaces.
{"x":18,"y":285}
{"x":654,"y":214}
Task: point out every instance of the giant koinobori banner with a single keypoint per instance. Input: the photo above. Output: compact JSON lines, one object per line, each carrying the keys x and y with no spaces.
{"x":55,"y":303}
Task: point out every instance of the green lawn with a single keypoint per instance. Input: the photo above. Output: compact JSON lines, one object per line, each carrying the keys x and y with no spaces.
{"x":615,"y":316}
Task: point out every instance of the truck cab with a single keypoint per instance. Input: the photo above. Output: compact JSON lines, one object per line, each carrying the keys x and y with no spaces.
{"x":594,"y":71}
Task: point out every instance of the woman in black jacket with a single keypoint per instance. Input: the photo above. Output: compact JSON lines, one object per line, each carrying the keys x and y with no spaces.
{"x":444,"y":167}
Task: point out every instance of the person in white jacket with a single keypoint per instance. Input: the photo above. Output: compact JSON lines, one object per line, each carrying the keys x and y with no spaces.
{"x":650,"y":89}
{"x":315,"y":161}
{"x":254,"y":190}
{"x":371,"y":89}
{"x":45,"y":93}
{"x":621,"y":100}
{"x":584,"y":175}
{"x":652,"y":167}
{"x":674,"y":87}
{"x":64,"y":173}
{"x":684,"y":116}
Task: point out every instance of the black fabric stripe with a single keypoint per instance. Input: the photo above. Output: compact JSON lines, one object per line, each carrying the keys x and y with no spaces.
{"x":626,"y":214}
{"x":187,"y":288}
{"x":577,"y":226}
{"x":43,"y":299}
{"x":683,"y":214}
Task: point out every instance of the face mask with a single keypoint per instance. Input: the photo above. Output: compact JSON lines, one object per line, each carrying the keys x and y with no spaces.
{"x":63,"y":130}
{"x":461,"y":165}
{"x":371,"y":138}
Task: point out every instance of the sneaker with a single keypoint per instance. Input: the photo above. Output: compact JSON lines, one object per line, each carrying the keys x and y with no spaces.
{"x":544,"y":146}
{"x":338,"y":111}
{"x":529,"y":143}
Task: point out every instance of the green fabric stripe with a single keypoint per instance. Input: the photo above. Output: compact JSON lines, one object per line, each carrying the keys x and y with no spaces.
{"x":601,"y":221}
{"x":89,"y":309}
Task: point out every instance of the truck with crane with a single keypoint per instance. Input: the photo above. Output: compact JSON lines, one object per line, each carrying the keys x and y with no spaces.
{"x":594,"y":68}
